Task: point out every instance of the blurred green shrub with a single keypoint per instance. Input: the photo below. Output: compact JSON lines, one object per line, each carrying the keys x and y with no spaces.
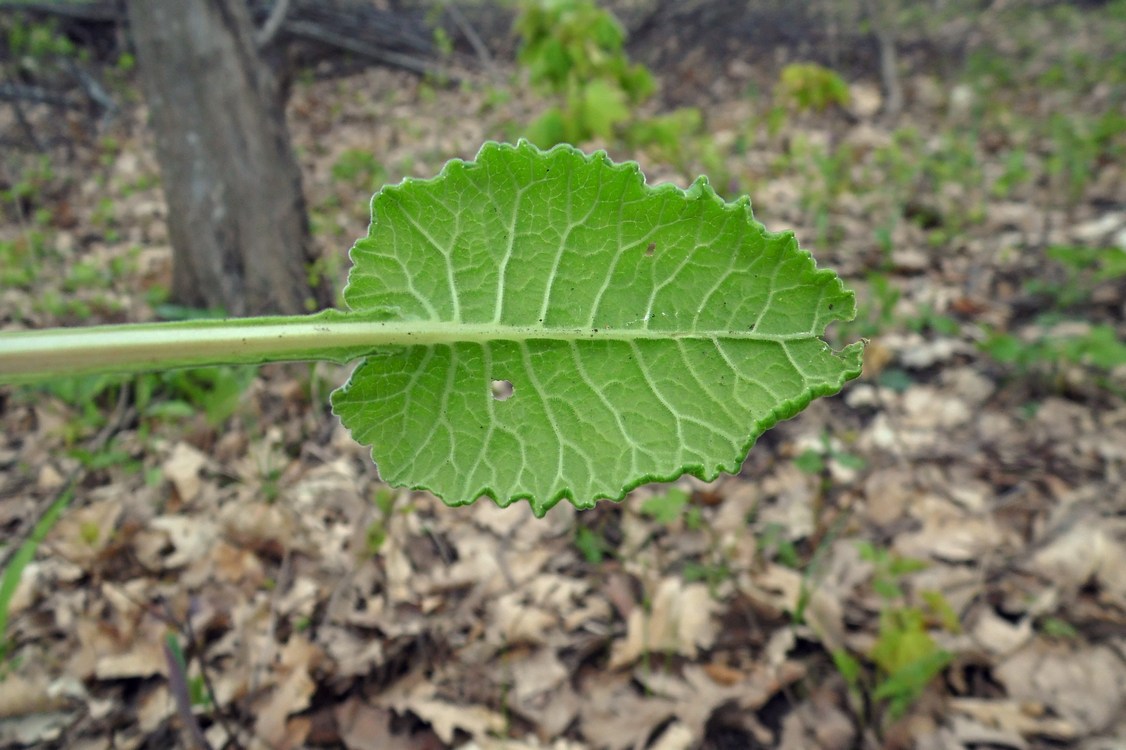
{"x":809,"y":87}
{"x":574,"y":53}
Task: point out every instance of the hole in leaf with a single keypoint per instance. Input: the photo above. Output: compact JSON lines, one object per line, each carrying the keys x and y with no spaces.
{"x":502,"y":389}
{"x":649,"y":250}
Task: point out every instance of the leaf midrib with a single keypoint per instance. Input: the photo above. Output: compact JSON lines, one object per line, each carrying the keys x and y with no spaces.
{"x":444,"y":332}
{"x":332,"y":335}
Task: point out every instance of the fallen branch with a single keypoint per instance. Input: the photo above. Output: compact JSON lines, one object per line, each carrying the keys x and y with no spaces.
{"x":316,"y":33}
{"x":273,"y":25}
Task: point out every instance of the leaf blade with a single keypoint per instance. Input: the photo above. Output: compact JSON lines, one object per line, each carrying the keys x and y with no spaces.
{"x":648,"y":331}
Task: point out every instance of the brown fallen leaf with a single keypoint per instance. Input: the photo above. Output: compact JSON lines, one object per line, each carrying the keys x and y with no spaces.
{"x":182,"y":468}
{"x":615,"y":717}
{"x":363,"y":726}
{"x":1015,"y":718}
{"x":1085,"y":685}
{"x":292,"y":693}
{"x":82,"y":533}
{"x":22,"y":696}
{"x":679,"y":621}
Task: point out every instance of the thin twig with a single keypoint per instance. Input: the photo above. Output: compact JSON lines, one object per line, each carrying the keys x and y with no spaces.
{"x":15,"y":92}
{"x":182,"y":697}
{"x":25,"y":124}
{"x":197,"y":649}
{"x":273,"y":25}
{"x":280,"y":584}
{"x":471,"y":34}
{"x":94,"y":89}
{"x":387,"y":57}
{"x":87,"y":11}
{"x":164,"y":614}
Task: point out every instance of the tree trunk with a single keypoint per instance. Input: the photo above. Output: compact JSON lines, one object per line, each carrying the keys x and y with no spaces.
{"x":236,"y":214}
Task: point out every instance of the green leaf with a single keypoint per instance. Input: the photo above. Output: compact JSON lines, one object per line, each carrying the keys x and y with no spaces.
{"x":647,"y":332}
{"x":847,"y":665}
{"x":604,"y":107}
{"x":666,"y":508}
{"x":904,"y":686}
{"x":13,"y":572}
{"x":809,"y":461}
{"x":590,"y":545}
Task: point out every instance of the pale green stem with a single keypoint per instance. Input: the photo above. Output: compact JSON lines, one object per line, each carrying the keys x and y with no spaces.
{"x":32,"y":356}
{"x":29,"y":356}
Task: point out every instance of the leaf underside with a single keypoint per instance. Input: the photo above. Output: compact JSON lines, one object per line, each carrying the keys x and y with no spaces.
{"x":646,"y":332}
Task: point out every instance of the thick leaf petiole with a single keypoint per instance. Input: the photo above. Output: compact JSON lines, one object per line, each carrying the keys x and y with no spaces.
{"x":32,"y":356}
{"x":331,"y":335}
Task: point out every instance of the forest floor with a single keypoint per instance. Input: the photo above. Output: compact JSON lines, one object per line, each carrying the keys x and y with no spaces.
{"x":935,"y":558}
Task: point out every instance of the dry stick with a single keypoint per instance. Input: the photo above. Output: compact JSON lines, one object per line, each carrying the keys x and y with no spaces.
{"x":94,"y":89}
{"x":273,"y":25}
{"x":185,"y":629}
{"x":181,"y":695}
{"x":197,"y":649}
{"x":882,"y":14}
{"x":471,"y":34}
{"x":85,"y":11}
{"x":25,"y":125}
{"x":387,"y":57}
{"x":282,"y":580}
{"x":13,"y":92}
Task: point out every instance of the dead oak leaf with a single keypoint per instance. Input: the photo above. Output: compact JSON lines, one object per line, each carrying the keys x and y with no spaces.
{"x":680,"y":621}
{"x":1086,"y":686}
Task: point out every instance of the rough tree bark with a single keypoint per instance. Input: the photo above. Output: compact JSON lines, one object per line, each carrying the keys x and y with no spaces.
{"x":236,"y":214}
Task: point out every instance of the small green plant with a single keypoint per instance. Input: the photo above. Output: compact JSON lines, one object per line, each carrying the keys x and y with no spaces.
{"x":877,"y":309}
{"x":642,"y":332}
{"x":1074,"y":273}
{"x":905,"y":654}
{"x":1067,"y":285}
{"x":376,"y":533}
{"x":809,"y":87}
{"x":13,"y":571}
{"x":172,"y":394}
{"x":20,"y":261}
{"x":1055,"y":627}
{"x":359,"y":169}
{"x":591,"y":546}
{"x":816,"y":461}
{"x":1098,"y":347}
{"x":774,"y":544}
{"x":666,"y":508}
{"x":1016,"y":174}
{"x":31,"y":43}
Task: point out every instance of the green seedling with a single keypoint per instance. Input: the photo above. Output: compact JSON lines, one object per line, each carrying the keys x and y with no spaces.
{"x":591,"y":546}
{"x":1067,"y":285}
{"x":1054,"y":627}
{"x":905,"y":655}
{"x":816,"y":461}
{"x":534,"y":326}
{"x":666,"y":508}
{"x":13,"y":571}
{"x":358,"y":168}
{"x":376,"y":533}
